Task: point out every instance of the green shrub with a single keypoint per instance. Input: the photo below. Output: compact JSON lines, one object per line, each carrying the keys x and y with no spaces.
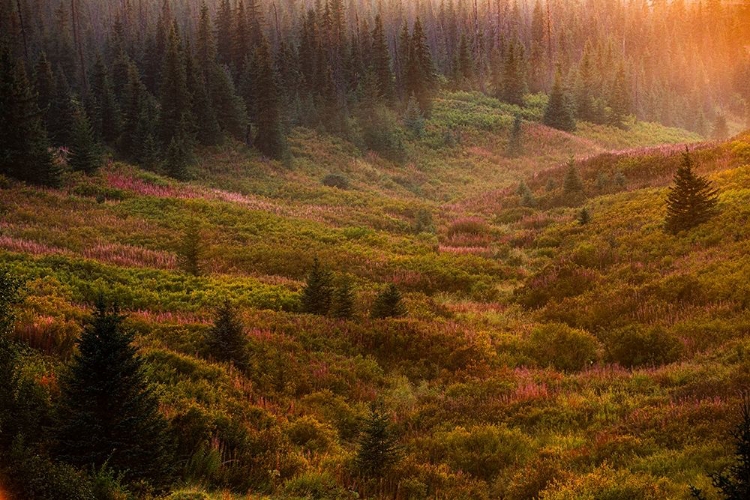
{"x":565,"y":348}
{"x":314,"y":486}
{"x":312,"y":435}
{"x":336,"y":180}
{"x":635,"y":346}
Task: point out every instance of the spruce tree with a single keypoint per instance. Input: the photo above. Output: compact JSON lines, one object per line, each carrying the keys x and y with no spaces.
{"x":24,"y":148}
{"x":44,"y":86}
{"x":84,"y":152}
{"x":190,"y":251}
{"x":388,"y":304}
{"x":734,"y":482}
{"x":269,"y":138}
{"x":381,"y":62}
{"x":572,"y":183}
{"x":421,"y":78}
{"x":413,"y":119}
{"x":318,"y":291}
{"x":62,"y":110}
{"x":228,"y":105}
{"x":558,"y":114}
{"x":175,"y":98}
{"x":342,"y":304}
{"x":527,"y":197}
{"x":108,"y":414}
{"x":515,"y":141}
{"x":378,"y":447}
{"x":720,"y":129}
{"x":179,"y":155}
{"x":584,"y":217}
{"x":513,"y":81}
{"x":102,"y":106}
{"x":692,"y":199}
{"x":202,"y":108}
{"x":224,"y":32}
{"x":619,"y":100}
{"x":226,"y":338}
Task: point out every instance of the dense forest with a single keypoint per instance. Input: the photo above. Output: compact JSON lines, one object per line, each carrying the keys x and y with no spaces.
{"x":152,"y":80}
{"x":407,"y":250}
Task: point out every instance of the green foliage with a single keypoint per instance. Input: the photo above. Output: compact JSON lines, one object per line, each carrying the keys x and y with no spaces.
{"x":413,"y":118}
{"x":24,"y":153}
{"x":558,"y":113}
{"x":339,"y":181}
{"x":565,"y":348}
{"x":318,"y":291}
{"x":691,"y":201}
{"x":515,"y":141}
{"x":378,"y":449}
{"x":635,"y":346}
{"x":108,"y":414}
{"x":191,"y":249}
{"x":226,"y":338}
{"x":572,"y":183}
{"x":584,"y":216}
{"x":388,"y":304}
{"x":342,"y":300}
{"x":85,"y":155}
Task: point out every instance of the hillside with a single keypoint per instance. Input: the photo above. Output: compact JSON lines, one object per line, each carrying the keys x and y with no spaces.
{"x":539,"y":357}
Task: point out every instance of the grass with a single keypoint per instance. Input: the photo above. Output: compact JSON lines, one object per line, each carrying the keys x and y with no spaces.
{"x":497,"y":296}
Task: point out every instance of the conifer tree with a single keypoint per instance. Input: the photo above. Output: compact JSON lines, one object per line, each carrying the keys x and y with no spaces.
{"x":179,"y":154}
{"x":175,"y":98}
{"x":226,"y":338}
{"x":692,"y":199}
{"x":527,"y":197}
{"x":413,"y":119}
{"x":464,"y":65}
{"x":421,"y":80}
{"x":584,"y":217}
{"x":318,"y":291}
{"x":381,"y":62}
{"x":342,"y":304}
{"x":202,"y":108}
{"x":513,"y":81}
{"x":558,"y":114}
{"x":572,"y":183}
{"x":133,"y":105}
{"x":224,"y":32}
{"x":619,"y":100}
{"x":24,"y":148}
{"x":84,"y":152}
{"x":378,"y":447}
{"x":9,"y":297}
{"x":388,"y":304}
{"x":108,"y":413}
{"x":102,"y":106}
{"x":734,"y":482}
{"x":720,"y":129}
{"x":44,"y":86}
{"x":515,"y":141}
{"x":269,"y":138}
{"x":240,"y":38}
{"x":228,"y":105}
{"x":190,"y":250}
{"x":584,"y":97}
{"x":62,"y":111}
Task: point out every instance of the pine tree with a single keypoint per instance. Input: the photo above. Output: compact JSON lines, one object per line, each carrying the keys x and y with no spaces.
{"x":228,"y":105}
{"x":190,"y":250}
{"x":226,"y":339}
{"x":734,"y":482}
{"x":413,"y":118}
{"x":318,"y":291}
{"x":421,"y":79}
{"x":342,"y":305}
{"x":619,"y":100}
{"x":515,"y":141}
{"x":388,"y":304}
{"x":381,"y":62}
{"x":62,"y":111}
{"x":584,"y":217}
{"x":527,"y":197}
{"x":134,"y":103}
{"x":108,"y":413}
{"x":572,"y":183}
{"x":558,"y":114}
{"x":84,"y":152}
{"x":269,"y":138}
{"x":202,"y":108}
{"x":24,"y":148}
{"x":102,"y":106}
{"x":224,"y":32}
{"x":464,"y":64}
{"x":44,"y":86}
{"x":179,"y":155}
{"x":691,"y":201}
{"x":378,"y":447}
{"x":175,"y":98}
{"x":513,"y":82}
{"x":585,"y":83}
{"x":720,"y":129}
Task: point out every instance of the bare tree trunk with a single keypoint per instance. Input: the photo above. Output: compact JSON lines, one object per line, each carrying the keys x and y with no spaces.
{"x":23,"y":31}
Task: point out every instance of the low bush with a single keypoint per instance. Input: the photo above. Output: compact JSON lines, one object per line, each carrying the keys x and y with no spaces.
{"x":635,"y":346}
{"x":562,"y":347}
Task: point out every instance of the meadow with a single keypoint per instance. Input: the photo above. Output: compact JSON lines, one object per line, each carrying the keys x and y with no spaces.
{"x":540,"y":357}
